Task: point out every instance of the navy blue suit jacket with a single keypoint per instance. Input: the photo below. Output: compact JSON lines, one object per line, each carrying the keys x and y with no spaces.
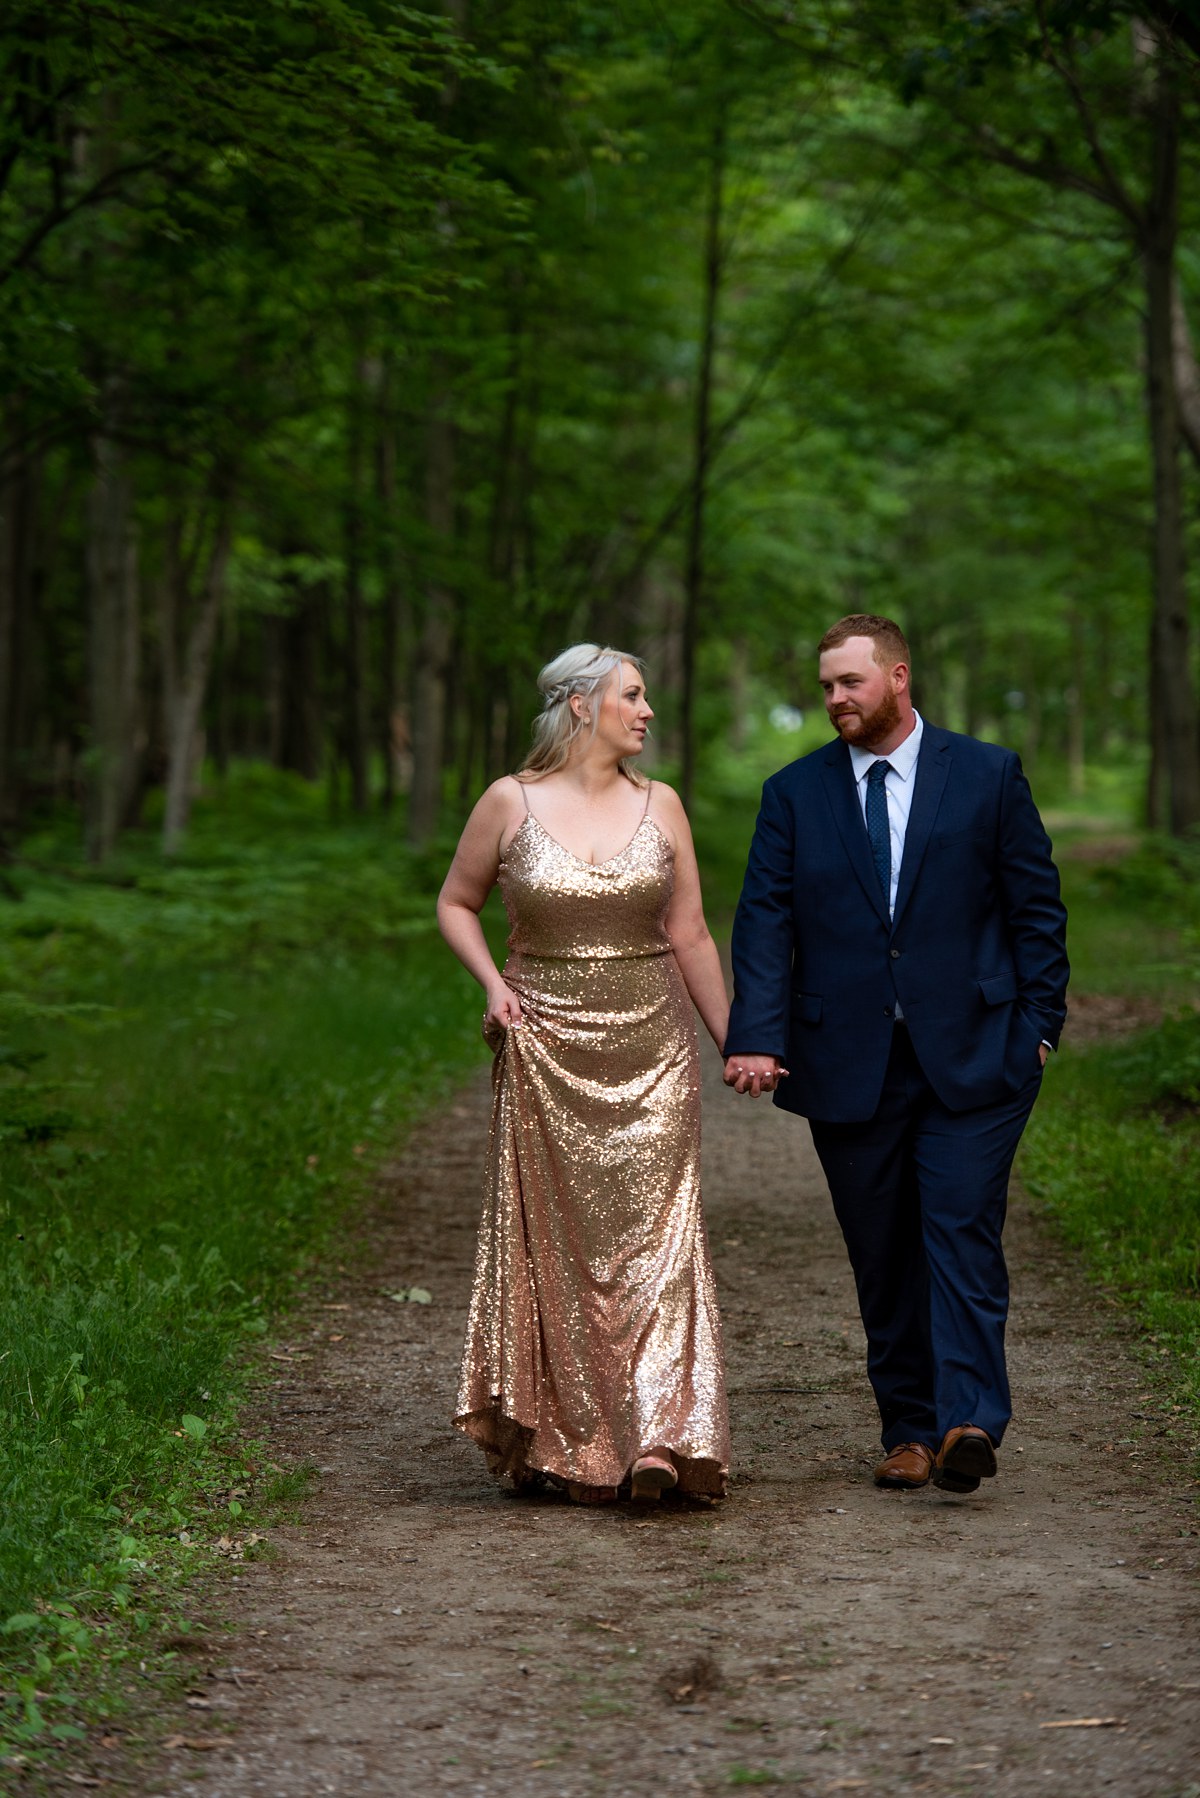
{"x":976,"y":954}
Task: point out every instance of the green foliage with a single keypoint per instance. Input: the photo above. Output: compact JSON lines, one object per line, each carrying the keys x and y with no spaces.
{"x":1113,"y":1152}
{"x":249,"y":1047}
{"x":927,"y":389}
{"x":1134,"y":910}
{"x":1113,"y":1149}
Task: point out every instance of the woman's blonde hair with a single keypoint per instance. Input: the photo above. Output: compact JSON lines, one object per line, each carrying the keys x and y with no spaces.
{"x":585,"y":669}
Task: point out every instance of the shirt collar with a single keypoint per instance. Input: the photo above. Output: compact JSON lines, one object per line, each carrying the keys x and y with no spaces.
{"x":902,"y":760}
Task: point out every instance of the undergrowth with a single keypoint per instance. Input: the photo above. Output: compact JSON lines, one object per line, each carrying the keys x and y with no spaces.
{"x":1113,"y":1149}
{"x":199,"y":1065}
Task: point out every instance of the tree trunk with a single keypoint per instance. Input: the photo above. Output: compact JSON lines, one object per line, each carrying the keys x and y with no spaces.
{"x":1158,"y":778}
{"x":18,"y":515}
{"x":1171,"y":636}
{"x":1187,"y":373}
{"x":739,"y":694}
{"x":298,"y":654}
{"x":193,"y":684}
{"x":702,"y":447}
{"x":397,"y":625}
{"x":1077,"y":707}
{"x":355,"y":647}
{"x":114,"y":642}
{"x":432,"y":659}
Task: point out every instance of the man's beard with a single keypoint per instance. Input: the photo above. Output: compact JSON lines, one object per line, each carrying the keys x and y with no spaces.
{"x":872,"y":727}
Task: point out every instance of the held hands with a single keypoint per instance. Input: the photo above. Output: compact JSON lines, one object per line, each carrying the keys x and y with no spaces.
{"x":754,"y":1074}
{"x":503,"y":1009}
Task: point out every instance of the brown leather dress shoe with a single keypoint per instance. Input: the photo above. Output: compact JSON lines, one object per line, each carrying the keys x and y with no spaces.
{"x":905,"y":1467}
{"x":967,"y":1455}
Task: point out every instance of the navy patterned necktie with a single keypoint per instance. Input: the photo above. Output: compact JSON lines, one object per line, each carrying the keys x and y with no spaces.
{"x":877,"y":826}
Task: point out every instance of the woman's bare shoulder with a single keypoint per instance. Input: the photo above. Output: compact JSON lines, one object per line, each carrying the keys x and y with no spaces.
{"x":499,"y":802}
{"x":665,"y":803}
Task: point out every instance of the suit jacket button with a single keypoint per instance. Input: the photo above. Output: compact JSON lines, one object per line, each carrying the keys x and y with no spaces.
{"x":895,"y":954}
{"x":887,"y":1011}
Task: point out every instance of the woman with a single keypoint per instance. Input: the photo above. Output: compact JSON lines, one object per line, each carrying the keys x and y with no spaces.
{"x":593,"y":1350}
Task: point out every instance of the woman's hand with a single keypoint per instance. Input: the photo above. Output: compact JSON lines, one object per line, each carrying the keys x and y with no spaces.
{"x":754,"y":1074}
{"x":503,"y":1009}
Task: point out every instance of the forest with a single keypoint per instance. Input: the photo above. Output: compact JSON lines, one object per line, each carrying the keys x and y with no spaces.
{"x":358,"y":356}
{"x":355,"y":358}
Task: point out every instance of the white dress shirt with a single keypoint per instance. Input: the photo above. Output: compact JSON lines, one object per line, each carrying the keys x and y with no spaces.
{"x":898,"y":785}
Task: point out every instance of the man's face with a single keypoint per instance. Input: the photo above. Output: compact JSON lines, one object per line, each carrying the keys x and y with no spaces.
{"x":862,"y":699}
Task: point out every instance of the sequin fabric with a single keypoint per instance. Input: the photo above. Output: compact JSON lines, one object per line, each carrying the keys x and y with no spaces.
{"x":593,"y":1332}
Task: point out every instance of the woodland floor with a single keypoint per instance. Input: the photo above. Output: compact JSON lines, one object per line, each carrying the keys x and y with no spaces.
{"x":418,"y":1631}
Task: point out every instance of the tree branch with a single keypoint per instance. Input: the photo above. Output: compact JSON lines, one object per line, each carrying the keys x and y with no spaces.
{"x":100,"y":190}
{"x":1067,"y":73}
{"x":1039,"y":168}
{"x":753,"y":389}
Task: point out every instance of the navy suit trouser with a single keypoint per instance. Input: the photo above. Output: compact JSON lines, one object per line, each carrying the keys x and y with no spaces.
{"x":921,"y":1193}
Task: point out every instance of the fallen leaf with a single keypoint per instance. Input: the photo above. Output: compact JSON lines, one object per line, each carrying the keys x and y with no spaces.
{"x":200,"y":1704}
{"x":941,"y":1741}
{"x":338,"y":1338}
{"x":1087,"y":1723}
{"x":335,"y":1307}
{"x":614,"y":1627}
{"x":198,"y":1744}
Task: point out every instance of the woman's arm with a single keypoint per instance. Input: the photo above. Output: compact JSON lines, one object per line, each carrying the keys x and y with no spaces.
{"x":693,"y":947}
{"x":465,"y":889}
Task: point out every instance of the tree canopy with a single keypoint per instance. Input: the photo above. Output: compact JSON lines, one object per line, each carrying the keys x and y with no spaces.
{"x":358,"y":356}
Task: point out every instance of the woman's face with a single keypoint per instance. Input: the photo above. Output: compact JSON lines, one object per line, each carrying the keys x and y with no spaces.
{"x":624,"y":714}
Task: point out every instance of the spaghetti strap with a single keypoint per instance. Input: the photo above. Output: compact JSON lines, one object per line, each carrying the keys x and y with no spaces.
{"x":646,"y":807}
{"x":524,"y":794}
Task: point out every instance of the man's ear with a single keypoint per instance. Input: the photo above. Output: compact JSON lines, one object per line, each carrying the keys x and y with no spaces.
{"x":900,"y":676}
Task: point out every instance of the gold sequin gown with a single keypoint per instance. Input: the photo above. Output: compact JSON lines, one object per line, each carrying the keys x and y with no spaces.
{"x":593,"y":1333}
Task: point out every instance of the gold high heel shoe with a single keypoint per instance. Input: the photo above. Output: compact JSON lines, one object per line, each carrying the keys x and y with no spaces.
{"x":590,"y":1495}
{"x":652,"y":1474}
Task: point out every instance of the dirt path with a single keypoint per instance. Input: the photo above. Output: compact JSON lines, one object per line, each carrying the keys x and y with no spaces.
{"x":420,"y":1632}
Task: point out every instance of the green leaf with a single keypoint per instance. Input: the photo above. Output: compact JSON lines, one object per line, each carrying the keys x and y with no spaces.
{"x":195,"y":1427}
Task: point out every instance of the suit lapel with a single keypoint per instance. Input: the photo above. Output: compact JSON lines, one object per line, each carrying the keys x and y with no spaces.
{"x":933,"y":767}
{"x":847,"y":815}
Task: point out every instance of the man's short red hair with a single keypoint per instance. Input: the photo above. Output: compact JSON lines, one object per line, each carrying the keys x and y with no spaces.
{"x":889,"y":640}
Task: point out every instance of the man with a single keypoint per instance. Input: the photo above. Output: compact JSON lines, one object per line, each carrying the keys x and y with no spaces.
{"x":900,"y":947}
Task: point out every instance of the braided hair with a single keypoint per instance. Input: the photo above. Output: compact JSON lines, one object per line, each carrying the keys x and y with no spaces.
{"x":586,"y":669}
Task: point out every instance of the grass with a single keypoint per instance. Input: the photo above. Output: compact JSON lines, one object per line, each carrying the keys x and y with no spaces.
{"x":199,"y":1065}
{"x":1115,"y":1158}
{"x":1113,"y":1149}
